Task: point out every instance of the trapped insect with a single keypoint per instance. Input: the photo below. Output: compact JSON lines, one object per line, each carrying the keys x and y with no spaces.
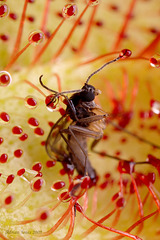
{"x":83,"y":118}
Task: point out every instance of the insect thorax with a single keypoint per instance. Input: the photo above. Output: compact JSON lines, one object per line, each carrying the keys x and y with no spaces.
{"x":83,"y":103}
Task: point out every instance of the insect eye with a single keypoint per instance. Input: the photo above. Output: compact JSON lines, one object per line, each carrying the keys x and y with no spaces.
{"x":88,"y":96}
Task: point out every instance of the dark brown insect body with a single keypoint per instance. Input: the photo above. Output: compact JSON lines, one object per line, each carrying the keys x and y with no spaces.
{"x":86,"y":121}
{"x":89,"y":123}
{"x":67,"y":140}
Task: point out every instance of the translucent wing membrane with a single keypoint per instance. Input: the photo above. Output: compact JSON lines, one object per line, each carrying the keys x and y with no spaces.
{"x":55,"y":145}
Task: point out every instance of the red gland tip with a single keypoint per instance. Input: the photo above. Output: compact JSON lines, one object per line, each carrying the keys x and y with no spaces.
{"x":44,"y":215}
{"x":50,"y":163}
{"x":36,"y":37}
{"x":125,"y":53}
{"x":37,"y":167}
{"x":93,"y":2}
{"x":58,"y":185}
{"x":18,"y":153}
{"x":4,"y":10}
{"x":13,"y":16}
{"x":5,"y":77}
{"x":33,"y":122}
{"x":36,"y":184}
{"x":8,"y":200}
{"x":120,"y":202}
{"x":69,"y":10}
{"x":39,"y":174}
{"x":51,"y":102}
{"x":30,"y":102}
{"x":17,"y":130}
{"x":4,"y":117}
{"x":21,"y":171}
{"x":155,"y":61}
{"x":64,"y":196}
{"x":3,"y":158}
{"x":79,"y":208}
{"x":86,"y":182}
{"x":10,"y":179}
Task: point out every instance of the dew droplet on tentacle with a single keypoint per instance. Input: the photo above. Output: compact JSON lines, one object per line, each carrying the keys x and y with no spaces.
{"x":126,"y":167}
{"x":75,"y":189}
{"x":18,"y":153}
{"x":85,"y":182}
{"x":93,"y":2}
{"x":4,"y":10}
{"x":1,"y":140}
{"x":10,"y":179}
{"x":3,"y":158}
{"x":69,"y":10}
{"x":64,"y":196}
{"x":17,"y":130}
{"x":155,"y":106}
{"x":43,"y":143}
{"x":31,"y":1}
{"x":39,"y":174}
{"x":4,"y":37}
{"x":155,"y":61}
{"x":33,"y":122}
{"x":43,"y":214}
{"x":51,"y":102}
{"x":115,"y":196}
{"x":103,"y":185}
{"x":62,"y":111}
{"x":50,"y":163}
{"x":21,"y":171}
{"x":125,"y":53}
{"x":37,"y":183}
{"x":4,"y":118}
{"x":5,"y":78}
{"x":36,"y":37}
{"x":114,"y":7}
{"x":31,"y":102}
{"x":50,"y":123}
{"x":120,"y":203}
{"x":58,"y":185}
{"x":30,"y":19}
{"x":23,"y":137}
{"x":99,"y":23}
{"x":13,"y":16}
{"x":39,"y":131}
{"x":37,"y":167}
{"x":7,"y":199}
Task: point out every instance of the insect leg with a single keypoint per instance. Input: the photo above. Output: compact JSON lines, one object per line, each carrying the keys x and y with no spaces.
{"x":92,"y":118}
{"x":134,"y":135}
{"x":96,"y":141}
{"x":93,"y":145}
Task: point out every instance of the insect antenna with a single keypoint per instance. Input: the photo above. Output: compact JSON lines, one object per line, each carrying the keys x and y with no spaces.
{"x":58,"y":93}
{"x":40,"y":80}
{"x":124,"y":53}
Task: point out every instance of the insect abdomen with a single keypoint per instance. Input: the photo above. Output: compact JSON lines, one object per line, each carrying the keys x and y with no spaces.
{"x":79,"y":157}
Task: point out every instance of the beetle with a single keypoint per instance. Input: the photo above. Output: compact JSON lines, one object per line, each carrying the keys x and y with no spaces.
{"x":83,"y":119}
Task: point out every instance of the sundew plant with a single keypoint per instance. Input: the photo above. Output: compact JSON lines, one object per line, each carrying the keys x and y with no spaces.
{"x":53,"y":46}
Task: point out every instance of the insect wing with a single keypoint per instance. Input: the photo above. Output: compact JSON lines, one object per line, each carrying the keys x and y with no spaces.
{"x":99,"y":125}
{"x":55,"y":145}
